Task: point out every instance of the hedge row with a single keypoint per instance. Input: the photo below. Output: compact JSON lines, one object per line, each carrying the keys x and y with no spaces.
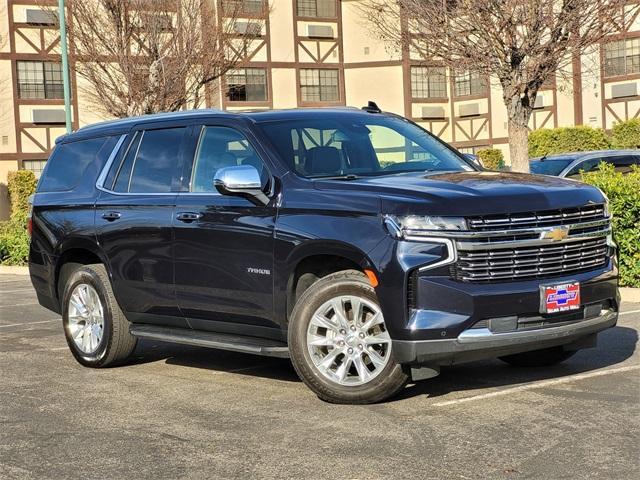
{"x":548,"y":141}
{"x":624,"y":202}
{"x":491,"y":158}
{"x":14,"y":241}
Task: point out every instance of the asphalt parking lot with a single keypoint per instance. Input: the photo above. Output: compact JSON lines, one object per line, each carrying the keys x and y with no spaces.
{"x":182,"y":412}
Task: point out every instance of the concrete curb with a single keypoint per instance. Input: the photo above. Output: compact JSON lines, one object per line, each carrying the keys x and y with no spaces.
{"x":13,"y":270}
{"x":630,"y":294}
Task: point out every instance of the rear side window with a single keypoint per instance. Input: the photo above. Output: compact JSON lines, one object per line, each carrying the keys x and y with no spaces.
{"x":152,"y":165}
{"x":76,"y":165}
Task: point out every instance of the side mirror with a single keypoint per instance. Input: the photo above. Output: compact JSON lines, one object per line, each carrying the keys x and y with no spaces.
{"x":241,"y":181}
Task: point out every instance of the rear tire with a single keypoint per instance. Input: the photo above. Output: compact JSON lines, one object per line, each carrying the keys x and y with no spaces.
{"x":538,"y":358}
{"x":343,"y":357}
{"x":95,"y":328}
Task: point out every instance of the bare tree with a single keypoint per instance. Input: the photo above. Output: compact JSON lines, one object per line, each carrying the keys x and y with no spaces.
{"x":522,"y":44}
{"x":147,"y":56}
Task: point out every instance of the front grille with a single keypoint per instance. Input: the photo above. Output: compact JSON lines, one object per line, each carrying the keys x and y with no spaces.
{"x":504,"y":264}
{"x":545,"y":218}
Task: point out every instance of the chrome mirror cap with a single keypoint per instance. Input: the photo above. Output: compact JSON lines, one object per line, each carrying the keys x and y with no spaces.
{"x":241,"y":180}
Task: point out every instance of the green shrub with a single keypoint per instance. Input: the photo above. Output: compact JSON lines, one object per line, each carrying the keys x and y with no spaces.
{"x":624,"y":203}
{"x":14,"y":240}
{"x":567,"y":139}
{"x":21,"y":185}
{"x":491,"y":158}
{"x":626,"y":134}
{"x":14,"y":243}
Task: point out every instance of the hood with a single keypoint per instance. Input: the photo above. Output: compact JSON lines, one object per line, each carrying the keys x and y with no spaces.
{"x":470,"y":193}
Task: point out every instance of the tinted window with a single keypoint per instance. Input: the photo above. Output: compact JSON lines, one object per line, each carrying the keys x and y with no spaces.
{"x":550,"y":166}
{"x":123,"y":171}
{"x":623,"y":164}
{"x":359,"y":145}
{"x":221,"y":147}
{"x":586,"y":166}
{"x":154,"y":167}
{"x":76,"y":165}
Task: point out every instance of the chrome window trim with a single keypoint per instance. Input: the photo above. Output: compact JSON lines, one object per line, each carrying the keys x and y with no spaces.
{"x":107,"y":166}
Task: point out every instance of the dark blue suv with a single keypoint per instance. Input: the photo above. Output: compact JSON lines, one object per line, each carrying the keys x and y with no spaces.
{"x":353,"y":242}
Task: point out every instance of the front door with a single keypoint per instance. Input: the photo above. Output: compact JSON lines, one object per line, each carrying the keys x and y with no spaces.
{"x":134,"y":224}
{"x":224,"y":245}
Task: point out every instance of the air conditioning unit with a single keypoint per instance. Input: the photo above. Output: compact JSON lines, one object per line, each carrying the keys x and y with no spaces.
{"x":41,"y":17}
{"x":247,"y":28}
{"x":319,"y":31}
{"x":48,"y":116}
{"x":469,"y":110}
{"x":433,"y":112}
{"x":624,"y":90}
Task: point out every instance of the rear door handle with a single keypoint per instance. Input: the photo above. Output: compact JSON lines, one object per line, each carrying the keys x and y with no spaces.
{"x":188,"y":216}
{"x":111,"y":216}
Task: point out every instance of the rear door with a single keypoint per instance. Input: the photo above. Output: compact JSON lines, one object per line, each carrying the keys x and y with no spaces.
{"x":134,"y":222}
{"x":224,"y":244}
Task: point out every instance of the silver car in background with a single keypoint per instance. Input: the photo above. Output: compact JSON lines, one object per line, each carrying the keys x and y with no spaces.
{"x":570,"y":165}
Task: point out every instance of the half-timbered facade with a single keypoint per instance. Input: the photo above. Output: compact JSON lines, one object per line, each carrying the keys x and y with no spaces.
{"x":312,"y":53}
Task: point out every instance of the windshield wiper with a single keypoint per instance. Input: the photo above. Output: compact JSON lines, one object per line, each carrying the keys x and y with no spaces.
{"x":349,"y":176}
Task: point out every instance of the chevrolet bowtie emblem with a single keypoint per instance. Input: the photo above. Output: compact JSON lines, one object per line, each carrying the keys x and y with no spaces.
{"x":556,"y":234}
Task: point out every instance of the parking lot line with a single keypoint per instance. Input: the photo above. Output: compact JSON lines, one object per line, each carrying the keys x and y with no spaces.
{"x":19,"y":305}
{"x":536,"y":385}
{"x":29,"y":323}
{"x":18,"y":291}
{"x":629,"y":312}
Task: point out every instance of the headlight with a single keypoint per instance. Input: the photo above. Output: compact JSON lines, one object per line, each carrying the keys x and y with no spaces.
{"x":421,"y":225}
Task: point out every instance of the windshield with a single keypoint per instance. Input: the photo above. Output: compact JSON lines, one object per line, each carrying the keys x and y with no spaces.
{"x":551,"y":166}
{"x":345,"y":145}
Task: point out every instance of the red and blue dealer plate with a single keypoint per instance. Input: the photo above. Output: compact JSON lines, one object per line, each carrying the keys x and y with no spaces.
{"x":559,"y":298}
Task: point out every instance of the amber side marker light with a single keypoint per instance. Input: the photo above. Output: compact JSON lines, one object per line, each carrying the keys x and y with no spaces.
{"x":372,"y":277}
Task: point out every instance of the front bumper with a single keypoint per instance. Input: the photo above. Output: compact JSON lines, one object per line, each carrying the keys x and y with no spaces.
{"x":479,"y":343}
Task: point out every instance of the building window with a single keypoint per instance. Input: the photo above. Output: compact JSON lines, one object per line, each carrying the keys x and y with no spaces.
{"x":243,"y":7}
{"x":319,"y":85}
{"x":39,"y":80}
{"x":247,"y":85}
{"x":622,"y":57}
{"x":469,"y":83}
{"x":36,"y":166}
{"x":428,"y":82}
{"x":317,"y":8}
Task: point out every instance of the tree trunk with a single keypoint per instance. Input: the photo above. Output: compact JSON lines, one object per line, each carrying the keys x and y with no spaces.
{"x":519,"y":146}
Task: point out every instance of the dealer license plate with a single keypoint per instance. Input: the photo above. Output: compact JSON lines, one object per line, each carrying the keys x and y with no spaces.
{"x":559,"y":298}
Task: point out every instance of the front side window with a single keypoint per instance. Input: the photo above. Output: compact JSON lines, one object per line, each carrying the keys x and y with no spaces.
{"x":317,"y":8}
{"x":469,"y":83}
{"x":319,"y":85}
{"x":40,"y":80}
{"x":220,"y":147}
{"x":151,"y":162}
{"x":428,"y":82}
{"x":369,"y":146}
{"x":247,"y":85}
{"x":622,"y":57}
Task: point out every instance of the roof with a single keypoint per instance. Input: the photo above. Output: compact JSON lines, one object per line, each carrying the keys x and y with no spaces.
{"x":124,"y":124}
{"x":576,"y":155}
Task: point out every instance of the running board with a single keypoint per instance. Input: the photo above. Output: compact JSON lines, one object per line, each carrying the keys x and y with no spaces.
{"x":222,"y":341}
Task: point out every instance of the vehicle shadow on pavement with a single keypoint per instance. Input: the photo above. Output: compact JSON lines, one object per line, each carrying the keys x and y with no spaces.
{"x":614,"y":346}
{"x":215,"y":360}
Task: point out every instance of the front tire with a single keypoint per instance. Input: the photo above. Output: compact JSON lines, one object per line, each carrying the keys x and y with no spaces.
{"x":339,"y":343}
{"x":95,"y":328}
{"x":538,"y":358}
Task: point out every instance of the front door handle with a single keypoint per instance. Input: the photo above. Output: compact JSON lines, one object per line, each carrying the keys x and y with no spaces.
{"x":111,"y":216}
{"x":188,"y":217}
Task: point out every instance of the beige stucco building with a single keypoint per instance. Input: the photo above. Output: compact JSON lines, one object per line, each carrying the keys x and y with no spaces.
{"x":313,"y":53}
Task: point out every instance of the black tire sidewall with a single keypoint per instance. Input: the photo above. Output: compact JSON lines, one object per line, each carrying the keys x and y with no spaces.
{"x":90,"y":277}
{"x":385,"y":384}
